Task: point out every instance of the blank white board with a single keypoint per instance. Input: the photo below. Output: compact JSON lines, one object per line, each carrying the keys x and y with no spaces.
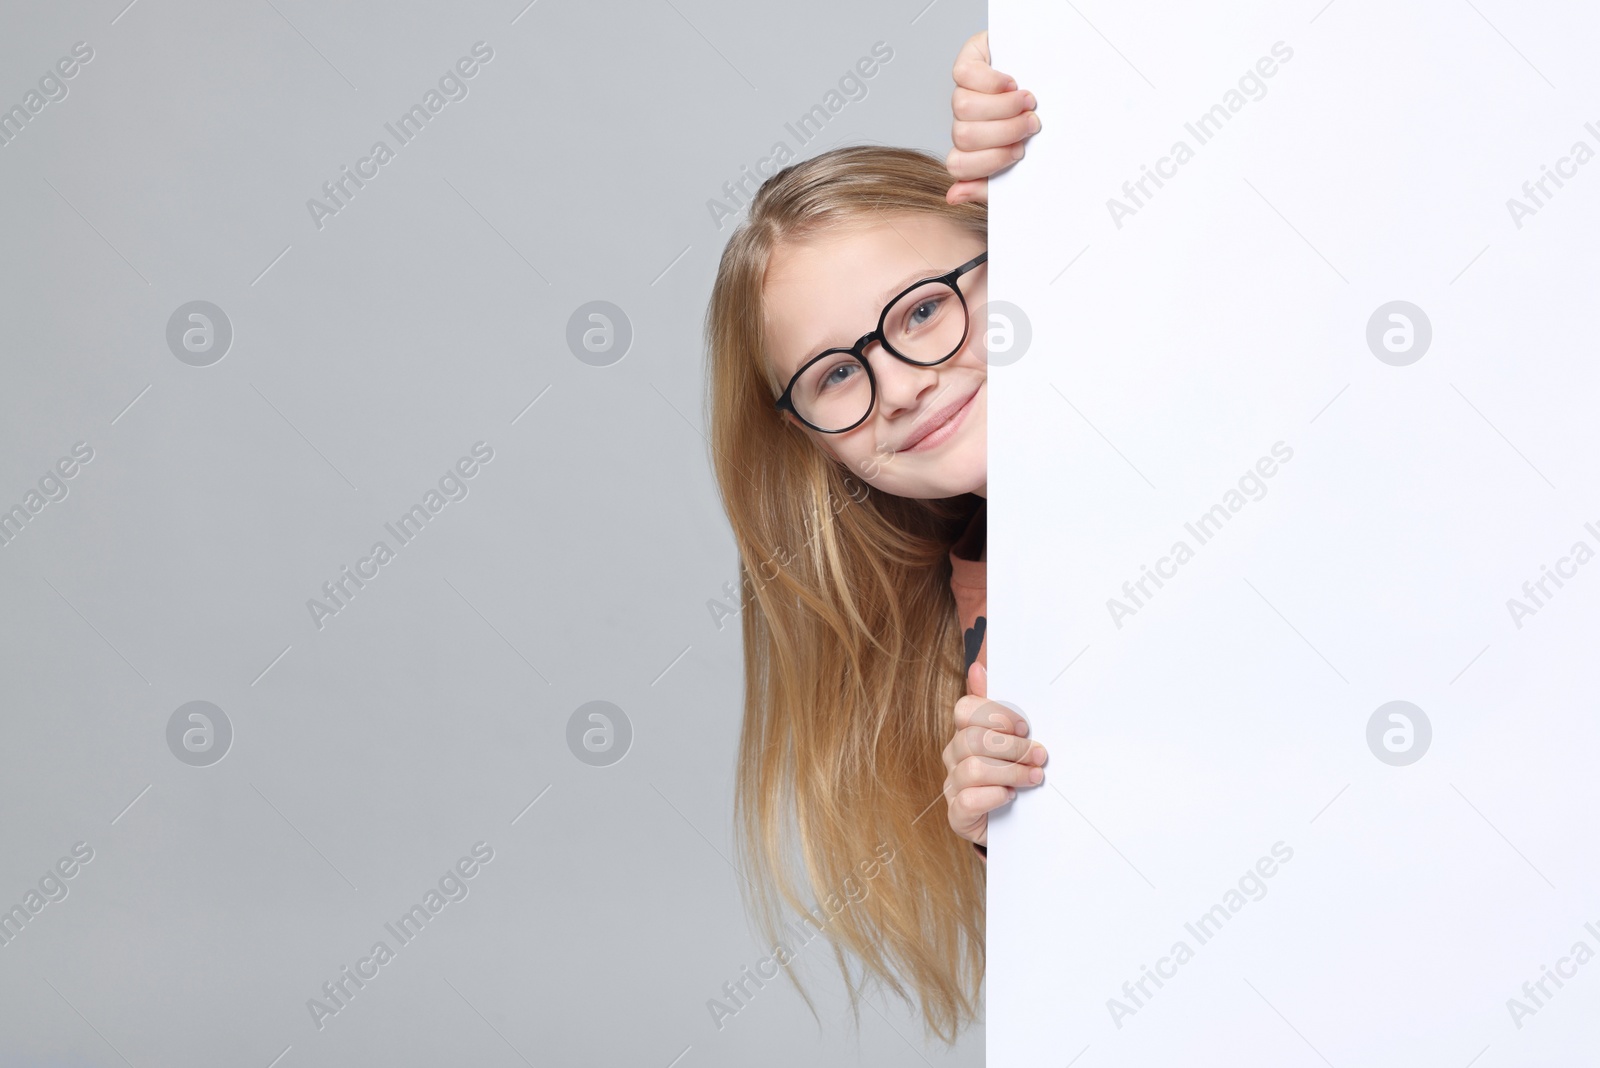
{"x":1295,"y":535}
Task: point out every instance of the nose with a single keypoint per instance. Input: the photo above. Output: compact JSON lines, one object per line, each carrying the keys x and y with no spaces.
{"x":899,"y":383}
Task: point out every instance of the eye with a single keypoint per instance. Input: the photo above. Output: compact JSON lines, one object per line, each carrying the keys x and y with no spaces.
{"x":839,"y":373}
{"x":924,"y":311}
{"x":827,"y":376}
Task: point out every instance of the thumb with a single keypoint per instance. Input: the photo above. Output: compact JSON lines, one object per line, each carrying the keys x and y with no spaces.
{"x":978,"y":680}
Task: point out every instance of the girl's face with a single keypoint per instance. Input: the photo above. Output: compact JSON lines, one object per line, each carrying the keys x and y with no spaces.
{"x":927,"y":434}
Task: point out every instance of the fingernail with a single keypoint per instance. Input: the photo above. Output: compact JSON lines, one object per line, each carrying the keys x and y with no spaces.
{"x":1011,"y":84}
{"x":1011,"y":791}
{"x":1033,"y":123}
{"x":1036,"y":776}
{"x":1016,"y":153}
{"x":1028,"y":102}
{"x":1036,"y":754}
{"x":1022,"y":729}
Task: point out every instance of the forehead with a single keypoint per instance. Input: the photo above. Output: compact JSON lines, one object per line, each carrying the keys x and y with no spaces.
{"x":828,"y":288}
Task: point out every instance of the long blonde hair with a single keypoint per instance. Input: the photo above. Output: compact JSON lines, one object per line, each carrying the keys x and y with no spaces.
{"x":852,"y":645}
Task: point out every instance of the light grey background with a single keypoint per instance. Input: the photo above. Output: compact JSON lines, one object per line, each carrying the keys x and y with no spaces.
{"x":368,"y":356}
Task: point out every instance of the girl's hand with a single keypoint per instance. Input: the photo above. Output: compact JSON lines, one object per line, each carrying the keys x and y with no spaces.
{"x":992,"y":120}
{"x":989,"y":757}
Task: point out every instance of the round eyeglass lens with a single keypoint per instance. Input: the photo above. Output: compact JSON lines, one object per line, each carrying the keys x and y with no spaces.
{"x":925,"y":326}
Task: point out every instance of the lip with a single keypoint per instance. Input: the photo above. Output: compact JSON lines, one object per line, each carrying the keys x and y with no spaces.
{"x":939,"y":426}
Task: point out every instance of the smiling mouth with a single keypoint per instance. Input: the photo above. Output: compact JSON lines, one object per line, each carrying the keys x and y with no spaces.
{"x":937,"y":422}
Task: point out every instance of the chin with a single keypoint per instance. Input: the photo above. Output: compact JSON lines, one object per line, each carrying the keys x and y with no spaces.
{"x":970,"y":470}
{"x":955,"y":476}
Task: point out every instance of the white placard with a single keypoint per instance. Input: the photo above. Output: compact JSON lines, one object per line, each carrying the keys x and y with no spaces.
{"x":1295,"y":536}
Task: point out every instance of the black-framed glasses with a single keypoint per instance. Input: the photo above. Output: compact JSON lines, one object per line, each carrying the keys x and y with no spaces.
{"x":925,"y":324}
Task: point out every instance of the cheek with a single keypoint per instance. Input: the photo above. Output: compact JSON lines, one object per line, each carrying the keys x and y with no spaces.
{"x":854,"y":450}
{"x":978,"y":333}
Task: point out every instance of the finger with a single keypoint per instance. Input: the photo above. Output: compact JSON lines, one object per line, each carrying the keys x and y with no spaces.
{"x":973,"y":71}
{"x":980,"y":711}
{"x":973,"y":59}
{"x":977,"y":45}
{"x":981,"y":771}
{"x":963,"y":192}
{"x":971,"y":804}
{"x":982,"y":163}
{"x":978,"y":680}
{"x":971,"y":106}
{"x":994,"y":133}
{"x":1000,"y":745}
{"x":997,"y":745}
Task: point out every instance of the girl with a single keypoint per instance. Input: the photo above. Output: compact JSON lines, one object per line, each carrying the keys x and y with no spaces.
{"x":847,"y":389}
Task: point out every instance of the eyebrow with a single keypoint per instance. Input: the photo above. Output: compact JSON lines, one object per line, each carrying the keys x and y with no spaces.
{"x":819,"y":346}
